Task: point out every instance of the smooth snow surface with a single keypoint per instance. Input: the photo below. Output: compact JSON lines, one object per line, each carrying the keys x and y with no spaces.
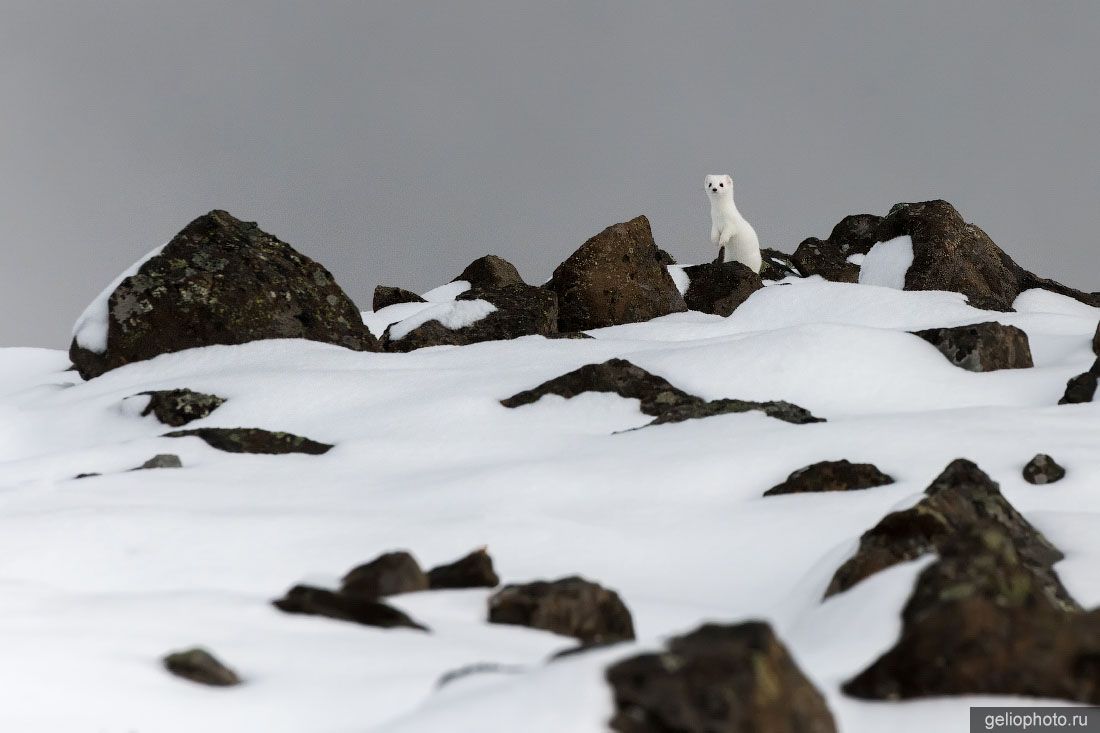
{"x":90,"y":330}
{"x":857,"y":259}
{"x":100,"y":577}
{"x":887,"y":262}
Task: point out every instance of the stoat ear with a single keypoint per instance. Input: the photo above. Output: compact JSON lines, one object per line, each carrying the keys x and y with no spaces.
{"x":729,"y":180}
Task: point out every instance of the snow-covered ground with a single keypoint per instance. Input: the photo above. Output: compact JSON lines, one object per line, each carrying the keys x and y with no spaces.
{"x":100,"y":577}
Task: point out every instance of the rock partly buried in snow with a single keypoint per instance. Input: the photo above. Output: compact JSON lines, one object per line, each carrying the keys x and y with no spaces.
{"x":982,"y":347}
{"x":219,"y":281}
{"x":979,"y":622}
{"x":387,"y":575}
{"x":199,"y":665}
{"x":775,"y":265}
{"x":473,"y":571}
{"x":950,"y":254}
{"x":489,"y":273}
{"x":177,"y":407}
{"x":161,"y":460}
{"x":516,"y":311}
{"x":831,"y":258}
{"x":1081,"y":388}
{"x":1096,"y":341}
{"x":656,"y":396}
{"x":839,"y":475}
{"x":310,"y":601}
{"x":736,"y":679}
{"x":570,"y":606}
{"x":959,"y":498}
{"x":615,"y":277}
{"x":719,"y":288}
{"x":1042,"y":469}
{"x":387,"y":295}
{"x":253,"y":440}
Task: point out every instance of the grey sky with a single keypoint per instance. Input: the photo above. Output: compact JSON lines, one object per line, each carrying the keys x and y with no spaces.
{"x":396,"y":141}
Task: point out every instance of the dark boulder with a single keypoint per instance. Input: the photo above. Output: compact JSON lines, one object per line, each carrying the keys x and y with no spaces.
{"x":719,"y":288}
{"x":304,"y":599}
{"x":657,"y":397}
{"x":775,"y":265}
{"x":472,"y":571}
{"x":489,"y":273}
{"x":387,"y":295}
{"x":253,"y":440}
{"x":819,"y":257}
{"x":982,"y":347}
{"x":1081,"y":388}
{"x":665,"y":258}
{"x":1042,"y":469}
{"x":717,"y":679}
{"x":521,"y":310}
{"x":961,"y":497}
{"x":839,"y":475}
{"x":981,"y":622}
{"x":950,"y":254}
{"x":177,"y":407}
{"x":570,"y":606}
{"x":161,"y":460}
{"x":199,"y":665}
{"x":222,"y":281}
{"x":615,"y":277}
{"x":387,"y":575}
{"x":855,"y":234}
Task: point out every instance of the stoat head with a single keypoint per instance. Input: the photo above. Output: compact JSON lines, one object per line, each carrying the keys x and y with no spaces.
{"x":718,"y":186}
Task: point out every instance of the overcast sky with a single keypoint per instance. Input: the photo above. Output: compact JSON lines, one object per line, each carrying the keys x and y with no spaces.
{"x":396,"y":141}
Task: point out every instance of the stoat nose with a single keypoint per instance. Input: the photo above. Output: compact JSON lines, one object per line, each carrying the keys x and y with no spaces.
{"x":714,"y":190}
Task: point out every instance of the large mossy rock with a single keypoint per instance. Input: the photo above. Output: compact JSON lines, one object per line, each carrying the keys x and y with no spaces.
{"x":220,"y":281}
{"x":615,"y":277}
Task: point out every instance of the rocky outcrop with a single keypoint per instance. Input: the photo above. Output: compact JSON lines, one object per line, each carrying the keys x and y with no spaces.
{"x":253,"y":440}
{"x":472,"y":571}
{"x":521,"y":310}
{"x":615,"y":277}
{"x":960,"y":498}
{"x":981,"y":621}
{"x":199,"y":665}
{"x":387,"y":575}
{"x":177,"y":407}
{"x":1042,"y":469}
{"x":489,"y":273}
{"x":775,"y":265}
{"x":656,"y":396}
{"x":730,"y":679}
{"x":950,"y":254}
{"x":719,"y":288}
{"x":221,"y":281}
{"x":982,"y":347}
{"x":386,"y":295}
{"x":839,"y":475}
{"x":304,"y":599}
{"x":570,"y":606}
{"x":1081,"y":388}
{"x":853,"y":235}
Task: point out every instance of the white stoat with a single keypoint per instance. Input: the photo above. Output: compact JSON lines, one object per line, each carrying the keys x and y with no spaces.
{"x":728,"y":229}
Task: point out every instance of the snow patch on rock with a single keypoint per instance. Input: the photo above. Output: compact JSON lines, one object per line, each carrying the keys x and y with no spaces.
{"x":90,"y":331}
{"x":887,"y":262}
{"x":453,"y":315}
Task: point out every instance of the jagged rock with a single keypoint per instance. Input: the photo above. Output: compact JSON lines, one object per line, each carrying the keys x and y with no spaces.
{"x":656,"y":396}
{"x":386,"y":575}
{"x":615,"y":277}
{"x":1042,"y":469}
{"x":665,"y":258}
{"x":311,"y":601}
{"x":719,"y":288}
{"x":570,"y":606}
{"x":221,"y":281}
{"x":1081,"y":388}
{"x":775,"y":265}
{"x":982,"y":347}
{"x":473,"y":571}
{"x":819,"y":257}
{"x":839,"y":475}
{"x":855,"y":234}
{"x":950,"y":254}
{"x":980,"y":621}
{"x":521,"y":310}
{"x":199,"y":665}
{"x":717,"y":679}
{"x":253,"y":440}
{"x":161,"y":460}
{"x":177,"y":407}
{"x":962,"y":496}
{"x":490,"y":272}
{"x":387,"y":295}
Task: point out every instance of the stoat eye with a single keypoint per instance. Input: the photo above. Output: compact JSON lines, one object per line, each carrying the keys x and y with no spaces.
{"x":721,"y":185}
